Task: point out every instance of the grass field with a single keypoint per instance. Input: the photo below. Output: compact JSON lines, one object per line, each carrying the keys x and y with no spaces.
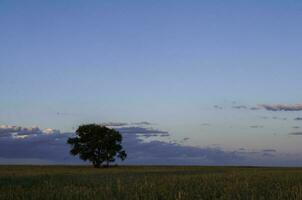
{"x":75,"y":182}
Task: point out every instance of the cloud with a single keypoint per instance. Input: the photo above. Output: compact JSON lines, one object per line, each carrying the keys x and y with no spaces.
{"x":298,"y":118}
{"x":116,"y":124}
{"x":255,"y":156}
{"x":296,"y":133}
{"x":269,"y":150}
{"x":255,"y":108}
{"x":147,"y":132}
{"x":279,"y":118}
{"x":273,"y":107}
{"x":141,"y":123}
{"x":268,"y":155}
{"x":253,"y":152}
{"x":49,"y":146}
{"x":185,"y":139}
{"x":163,"y":153}
{"x":6,"y":131}
{"x":50,"y":131}
{"x":256,"y":126}
{"x":205,"y":124}
{"x":35,"y":144}
{"x":245,"y":107}
{"x":218,"y":107}
{"x":282,"y":107}
{"x":112,"y":124}
{"x":68,"y":114}
{"x":240,"y":107}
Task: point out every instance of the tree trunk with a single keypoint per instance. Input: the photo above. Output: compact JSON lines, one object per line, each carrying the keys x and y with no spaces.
{"x":107,"y":160}
{"x":96,"y":164}
{"x":97,"y":159}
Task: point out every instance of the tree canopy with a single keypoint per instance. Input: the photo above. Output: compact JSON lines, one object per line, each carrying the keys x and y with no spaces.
{"x":97,"y":144}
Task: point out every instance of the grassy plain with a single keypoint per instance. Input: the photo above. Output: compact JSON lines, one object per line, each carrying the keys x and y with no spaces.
{"x":154,"y":182}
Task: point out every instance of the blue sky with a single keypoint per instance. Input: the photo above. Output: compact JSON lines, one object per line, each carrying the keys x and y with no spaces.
{"x":63,"y":63}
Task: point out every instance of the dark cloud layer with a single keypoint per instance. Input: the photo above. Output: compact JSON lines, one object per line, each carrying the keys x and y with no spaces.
{"x":36,"y":145}
{"x":159,"y":152}
{"x":49,"y":146}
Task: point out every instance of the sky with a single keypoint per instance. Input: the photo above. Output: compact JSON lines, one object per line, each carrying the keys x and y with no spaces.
{"x":221,"y":79}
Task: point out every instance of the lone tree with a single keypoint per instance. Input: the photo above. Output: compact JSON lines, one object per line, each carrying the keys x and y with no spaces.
{"x":97,"y":144}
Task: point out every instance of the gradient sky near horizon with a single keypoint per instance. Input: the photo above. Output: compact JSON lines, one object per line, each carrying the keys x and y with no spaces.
{"x":192,"y":68}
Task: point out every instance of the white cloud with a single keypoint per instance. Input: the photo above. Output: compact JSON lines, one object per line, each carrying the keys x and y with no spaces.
{"x":50,"y":131}
{"x":18,"y":132}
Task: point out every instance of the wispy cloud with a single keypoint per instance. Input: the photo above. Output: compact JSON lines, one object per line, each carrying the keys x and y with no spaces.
{"x":274,"y":118}
{"x":269,"y":150}
{"x":296,"y":133}
{"x":271,"y":107}
{"x":147,"y":132}
{"x":264,"y":153}
{"x":68,"y":114}
{"x":245,"y":107}
{"x":256,"y":126}
{"x":142,"y":123}
{"x":117,"y":124}
{"x":205,"y":124}
{"x":255,"y":108}
{"x":240,"y":107}
{"x":114,"y":124}
{"x":282,"y":107}
{"x":218,"y":107}
{"x":279,"y":118}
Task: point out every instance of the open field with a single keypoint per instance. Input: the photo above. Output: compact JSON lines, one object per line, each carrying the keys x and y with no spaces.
{"x":79,"y":182}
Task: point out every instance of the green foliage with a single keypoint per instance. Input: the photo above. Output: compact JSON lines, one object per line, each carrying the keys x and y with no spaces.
{"x":97,"y":144}
{"x":149,"y":183}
